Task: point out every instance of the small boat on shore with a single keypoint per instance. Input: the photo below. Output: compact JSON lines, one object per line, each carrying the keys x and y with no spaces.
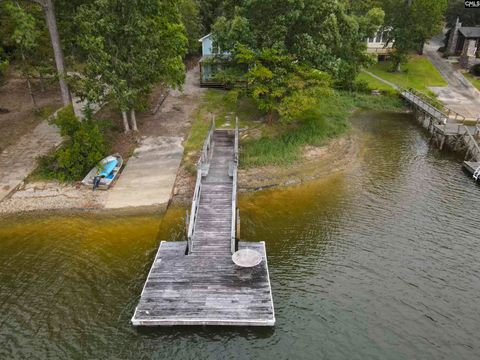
{"x":103,"y":175}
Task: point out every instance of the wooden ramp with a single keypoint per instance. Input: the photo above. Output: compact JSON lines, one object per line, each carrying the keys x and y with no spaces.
{"x":195,"y":282}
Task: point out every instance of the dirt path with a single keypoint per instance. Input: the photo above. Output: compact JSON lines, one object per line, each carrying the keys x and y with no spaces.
{"x":17,"y":116}
{"x":175,"y":115}
{"x":173,"y":120}
{"x":19,"y":160}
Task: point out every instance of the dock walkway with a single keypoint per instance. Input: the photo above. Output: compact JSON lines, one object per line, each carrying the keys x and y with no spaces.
{"x":449,"y":127}
{"x":446,"y":125}
{"x":195,"y":282}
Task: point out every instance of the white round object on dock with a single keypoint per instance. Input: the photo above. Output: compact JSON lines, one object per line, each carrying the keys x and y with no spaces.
{"x":247,"y":258}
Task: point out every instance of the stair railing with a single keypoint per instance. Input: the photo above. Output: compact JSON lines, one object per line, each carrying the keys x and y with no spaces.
{"x":202,"y":170}
{"x":233,"y":235}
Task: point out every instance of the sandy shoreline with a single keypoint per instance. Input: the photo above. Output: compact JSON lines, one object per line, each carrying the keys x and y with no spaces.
{"x":316,"y":163}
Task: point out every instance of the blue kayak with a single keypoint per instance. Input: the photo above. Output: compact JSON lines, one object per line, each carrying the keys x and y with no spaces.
{"x":108,"y":168}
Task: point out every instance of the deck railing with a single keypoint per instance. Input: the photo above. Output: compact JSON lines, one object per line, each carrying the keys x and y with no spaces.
{"x":233,"y":235}
{"x":202,"y":170}
{"x":425,"y":106}
{"x":442,"y":115}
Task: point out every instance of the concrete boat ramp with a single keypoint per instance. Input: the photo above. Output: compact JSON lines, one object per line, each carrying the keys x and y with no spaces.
{"x":149,"y":176}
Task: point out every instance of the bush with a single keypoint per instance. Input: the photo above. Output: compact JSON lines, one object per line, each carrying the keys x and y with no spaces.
{"x":3,"y":70}
{"x":84,"y":146}
{"x":327,"y":119}
{"x":361,"y":86}
{"x":475,"y":70}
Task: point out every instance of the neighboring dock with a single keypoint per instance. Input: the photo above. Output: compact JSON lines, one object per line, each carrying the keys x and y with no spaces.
{"x":195,"y":282}
{"x":450,"y":128}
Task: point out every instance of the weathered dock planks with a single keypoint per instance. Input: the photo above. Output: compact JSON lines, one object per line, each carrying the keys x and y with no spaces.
{"x":195,"y":282}
{"x":205,"y":290}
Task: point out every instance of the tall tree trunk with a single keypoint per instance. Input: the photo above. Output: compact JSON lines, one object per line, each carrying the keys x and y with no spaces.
{"x":420,"y":47}
{"x":134,"y":120}
{"x":270,"y":117}
{"x":29,"y":84}
{"x":30,"y":92}
{"x":125,"y":121}
{"x":42,"y":82}
{"x":49,"y":10}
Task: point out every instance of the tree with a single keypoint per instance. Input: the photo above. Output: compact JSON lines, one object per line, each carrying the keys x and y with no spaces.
{"x":66,"y":11}
{"x":209,"y":11}
{"x":25,"y":36}
{"x":49,"y":10}
{"x":323,"y":34}
{"x":190,"y":15}
{"x":410,"y":27}
{"x":278,"y":83}
{"x":83,"y":147}
{"x":131,"y":45}
{"x":468,"y":16}
{"x":424,"y":29}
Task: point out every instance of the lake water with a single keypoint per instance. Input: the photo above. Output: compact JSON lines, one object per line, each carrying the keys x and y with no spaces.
{"x":378,"y":262}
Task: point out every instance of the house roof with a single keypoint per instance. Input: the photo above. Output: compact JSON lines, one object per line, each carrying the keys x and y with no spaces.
{"x":206,"y":36}
{"x":470,"y":32}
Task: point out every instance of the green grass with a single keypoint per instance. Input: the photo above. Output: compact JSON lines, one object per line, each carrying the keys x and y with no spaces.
{"x":217,"y":103}
{"x":419,"y":74}
{"x":279,"y":144}
{"x":475,"y":80}
{"x":329,"y":119}
{"x":375,"y":84}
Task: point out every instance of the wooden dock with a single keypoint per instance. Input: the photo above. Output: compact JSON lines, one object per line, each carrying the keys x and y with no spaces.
{"x":449,"y":127}
{"x":472,"y":167}
{"x":195,"y":282}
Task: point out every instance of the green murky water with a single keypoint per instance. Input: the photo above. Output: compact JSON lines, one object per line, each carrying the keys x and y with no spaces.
{"x":379,"y":262}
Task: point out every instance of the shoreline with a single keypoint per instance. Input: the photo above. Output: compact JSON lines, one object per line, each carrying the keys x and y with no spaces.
{"x":55,"y":197}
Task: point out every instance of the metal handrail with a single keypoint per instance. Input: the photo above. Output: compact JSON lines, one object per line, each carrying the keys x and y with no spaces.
{"x":207,"y":145}
{"x":417,"y":100}
{"x":233,"y":237}
{"x":441,"y":116}
{"x":201,"y":166}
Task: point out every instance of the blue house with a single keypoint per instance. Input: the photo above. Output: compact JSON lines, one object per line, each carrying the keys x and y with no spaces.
{"x":210,"y":63}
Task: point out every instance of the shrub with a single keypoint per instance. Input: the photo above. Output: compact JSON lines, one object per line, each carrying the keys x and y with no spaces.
{"x":475,"y":70}
{"x":3,"y":70}
{"x":361,"y":86}
{"x":84,"y":146}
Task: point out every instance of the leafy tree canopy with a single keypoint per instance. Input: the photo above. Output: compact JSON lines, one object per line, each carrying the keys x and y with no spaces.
{"x":131,"y":45}
{"x":190,"y":14}
{"x":468,"y":17}
{"x":324,"y":34}
{"x":279,"y":84}
{"x":411,"y":26}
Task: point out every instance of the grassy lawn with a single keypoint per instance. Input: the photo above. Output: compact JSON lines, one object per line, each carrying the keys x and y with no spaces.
{"x":419,"y":73}
{"x":280,"y":144}
{"x":475,"y":80}
{"x":375,"y":84}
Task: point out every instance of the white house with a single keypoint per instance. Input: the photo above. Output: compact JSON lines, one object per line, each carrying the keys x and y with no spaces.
{"x":377,"y":44}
